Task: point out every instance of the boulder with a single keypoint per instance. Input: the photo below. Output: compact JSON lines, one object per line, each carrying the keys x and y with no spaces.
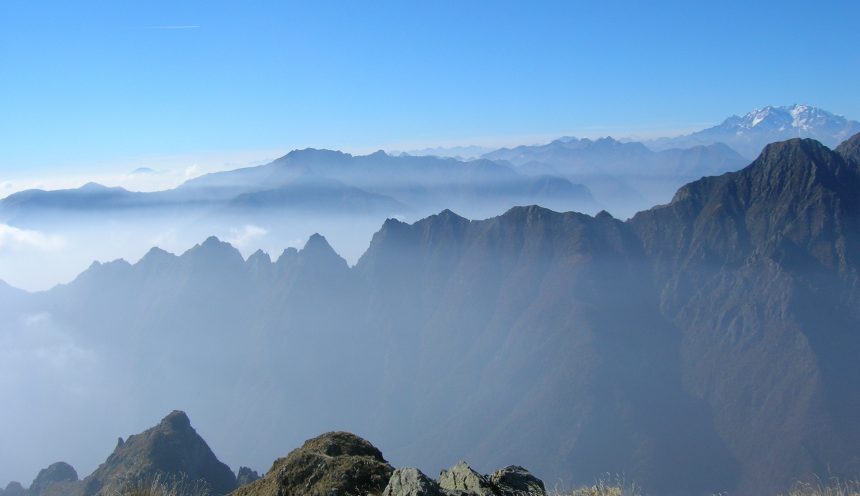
{"x":411,"y":482}
{"x":461,"y":477}
{"x":333,"y":464}
{"x":514,"y":480}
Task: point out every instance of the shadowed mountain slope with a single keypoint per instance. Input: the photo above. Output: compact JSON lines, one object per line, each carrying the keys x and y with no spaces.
{"x":759,"y":270}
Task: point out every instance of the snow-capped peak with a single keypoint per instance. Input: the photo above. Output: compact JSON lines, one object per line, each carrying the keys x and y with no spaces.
{"x":798,"y":116}
{"x":749,"y":133}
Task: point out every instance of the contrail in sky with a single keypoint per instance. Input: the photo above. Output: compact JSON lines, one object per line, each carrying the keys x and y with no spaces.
{"x":173,"y":27}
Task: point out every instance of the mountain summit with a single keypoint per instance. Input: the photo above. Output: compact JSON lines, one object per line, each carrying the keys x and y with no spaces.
{"x":171,"y":449}
{"x":748,"y":134}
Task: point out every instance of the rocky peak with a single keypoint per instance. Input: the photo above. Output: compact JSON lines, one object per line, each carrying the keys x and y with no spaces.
{"x":318,"y":253}
{"x":214,"y":252}
{"x":335,"y":463}
{"x":14,"y":489}
{"x":259,"y":263}
{"x":246,"y":476}
{"x":287,"y":260}
{"x":176,"y":421}
{"x":56,"y":473}
{"x":850,"y":150}
{"x":156,"y":258}
{"x":170,"y":450}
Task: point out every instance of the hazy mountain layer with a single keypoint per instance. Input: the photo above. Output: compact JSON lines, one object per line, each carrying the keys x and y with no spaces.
{"x":706,"y":345}
{"x":625,"y":176}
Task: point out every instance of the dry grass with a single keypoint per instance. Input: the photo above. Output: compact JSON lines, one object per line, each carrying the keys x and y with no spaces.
{"x":161,"y":486}
{"x":830,"y":487}
{"x":607,"y":485}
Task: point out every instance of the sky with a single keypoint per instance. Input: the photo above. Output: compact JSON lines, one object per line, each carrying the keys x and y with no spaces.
{"x":102,"y":88}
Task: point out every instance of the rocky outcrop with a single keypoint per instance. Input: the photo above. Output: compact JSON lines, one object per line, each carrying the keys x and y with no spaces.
{"x":333,"y":464}
{"x":246,"y":476}
{"x":461,"y":477}
{"x":462,"y":480}
{"x":411,"y":482}
{"x":515,"y":480}
{"x":172,"y":452}
{"x":57,"y":479}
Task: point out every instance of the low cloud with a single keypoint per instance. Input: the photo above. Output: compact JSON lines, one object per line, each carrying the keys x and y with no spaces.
{"x":240,"y":237}
{"x":38,"y":344}
{"x":14,"y":238}
{"x":192,"y":172}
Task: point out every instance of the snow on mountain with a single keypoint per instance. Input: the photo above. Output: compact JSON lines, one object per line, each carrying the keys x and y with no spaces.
{"x":749,"y":133}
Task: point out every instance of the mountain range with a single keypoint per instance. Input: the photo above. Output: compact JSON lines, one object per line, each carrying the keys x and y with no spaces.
{"x":748,"y":134}
{"x":627,"y":176}
{"x":704,"y":345}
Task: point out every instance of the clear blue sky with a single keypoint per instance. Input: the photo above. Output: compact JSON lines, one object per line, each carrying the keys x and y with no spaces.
{"x":100,"y":81}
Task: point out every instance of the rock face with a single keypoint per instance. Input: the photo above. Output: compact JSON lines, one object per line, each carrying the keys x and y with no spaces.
{"x":333,"y":464}
{"x":246,"y":476}
{"x":462,"y":480}
{"x":172,"y":451}
{"x":53,"y":480}
{"x":515,"y":480}
{"x":411,"y":482}
{"x":461,"y":477}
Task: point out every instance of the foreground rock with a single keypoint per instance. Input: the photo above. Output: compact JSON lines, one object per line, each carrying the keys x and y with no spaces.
{"x":461,"y":477}
{"x":516,"y":480}
{"x":333,"y":464}
{"x":171,"y":458}
{"x":411,"y":482}
{"x":462,"y":480}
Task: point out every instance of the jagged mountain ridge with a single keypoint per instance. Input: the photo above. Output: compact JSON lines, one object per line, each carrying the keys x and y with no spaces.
{"x":710,"y":337}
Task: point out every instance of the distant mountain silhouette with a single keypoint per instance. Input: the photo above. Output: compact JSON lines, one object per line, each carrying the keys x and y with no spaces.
{"x":704,"y":345}
{"x":748,"y":134}
{"x":319,"y":181}
{"x":607,"y":156}
{"x":622,"y":174}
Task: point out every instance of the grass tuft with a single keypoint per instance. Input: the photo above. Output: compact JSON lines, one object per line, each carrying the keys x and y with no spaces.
{"x":161,"y":486}
{"x":606,"y":485}
{"x":829,"y":487}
